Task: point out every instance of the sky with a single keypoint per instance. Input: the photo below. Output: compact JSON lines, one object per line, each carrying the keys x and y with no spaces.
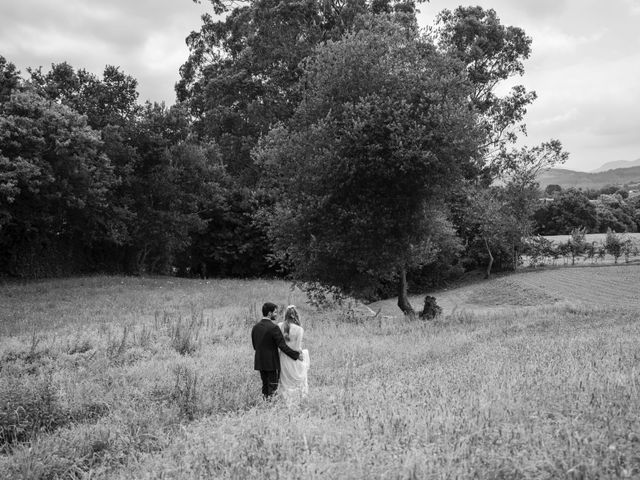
{"x":585,"y":62}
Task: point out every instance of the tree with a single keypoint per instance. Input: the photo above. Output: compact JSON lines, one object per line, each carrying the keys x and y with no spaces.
{"x":171,"y":182}
{"x":382,"y":131}
{"x":487,"y":220}
{"x":54,"y":181}
{"x":570,"y":209}
{"x":577,"y":243}
{"x":491,"y":53}
{"x":520,"y":170}
{"x":9,"y":79}
{"x":242,"y":73}
{"x":551,"y":190}
{"x":496,"y":221}
{"x":614,"y":245}
{"x":111,"y":100}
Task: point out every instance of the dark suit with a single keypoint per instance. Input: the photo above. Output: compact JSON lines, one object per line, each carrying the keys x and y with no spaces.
{"x":267,"y":339}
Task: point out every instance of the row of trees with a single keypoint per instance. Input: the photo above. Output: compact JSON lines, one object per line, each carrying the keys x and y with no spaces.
{"x":334,"y":141}
{"x":541,"y":251}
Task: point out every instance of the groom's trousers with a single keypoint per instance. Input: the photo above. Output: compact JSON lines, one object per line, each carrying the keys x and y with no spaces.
{"x":269,"y":382}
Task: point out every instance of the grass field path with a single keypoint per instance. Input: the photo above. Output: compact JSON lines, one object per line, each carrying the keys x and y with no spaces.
{"x":607,"y":285}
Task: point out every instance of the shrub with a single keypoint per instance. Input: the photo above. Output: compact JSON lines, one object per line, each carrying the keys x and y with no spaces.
{"x":322,"y":296}
{"x":431,"y":309}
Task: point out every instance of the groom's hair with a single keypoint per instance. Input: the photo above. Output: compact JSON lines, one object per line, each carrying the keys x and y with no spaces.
{"x":267,"y":308}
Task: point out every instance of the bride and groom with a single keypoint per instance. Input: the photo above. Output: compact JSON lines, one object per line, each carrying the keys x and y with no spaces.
{"x":279,"y":357}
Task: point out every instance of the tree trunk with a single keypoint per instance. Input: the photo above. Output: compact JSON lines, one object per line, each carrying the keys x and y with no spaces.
{"x":403,"y":298}
{"x":487,"y":274}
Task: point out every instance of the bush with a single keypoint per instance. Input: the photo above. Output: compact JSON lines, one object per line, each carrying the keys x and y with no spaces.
{"x":431,"y":309}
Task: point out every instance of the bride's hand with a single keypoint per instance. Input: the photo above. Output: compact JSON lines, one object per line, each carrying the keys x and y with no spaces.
{"x":301,"y":357}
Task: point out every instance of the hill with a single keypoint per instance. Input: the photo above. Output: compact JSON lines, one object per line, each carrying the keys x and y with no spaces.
{"x":570,"y":178}
{"x":617,"y":164}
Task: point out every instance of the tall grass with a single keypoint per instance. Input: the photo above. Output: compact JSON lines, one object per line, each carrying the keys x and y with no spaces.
{"x":546,"y":392}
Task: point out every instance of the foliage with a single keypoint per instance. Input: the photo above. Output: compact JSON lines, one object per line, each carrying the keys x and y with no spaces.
{"x":9,"y":79}
{"x":173,"y":182}
{"x":242,"y":73}
{"x":580,"y":245}
{"x":493,"y":222}
{"x":552,"y":189}
{"x":573,"y":208}
{"x":107,"y":101}
{"x":537,"y":249}
{"x":577,"y":243}
{"x":234,"y":243}
{"x":614,"y":245}
{"x":484,"y":220}
{"x":361,"y":168}
{"x":54,"y":180}
{"x":491,"y":53}
{"x":507,"y":214}
{"x":570,"y":209}
{"x":431,"y":309}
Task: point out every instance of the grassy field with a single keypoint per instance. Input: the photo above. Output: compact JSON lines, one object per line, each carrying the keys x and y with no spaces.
{"x":116,"y":378}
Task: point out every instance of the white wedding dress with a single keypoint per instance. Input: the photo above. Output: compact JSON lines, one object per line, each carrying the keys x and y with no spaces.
{"x":293,"y":373}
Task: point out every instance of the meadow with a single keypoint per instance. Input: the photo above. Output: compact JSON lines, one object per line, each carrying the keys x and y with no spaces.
{"x":121,"y":377}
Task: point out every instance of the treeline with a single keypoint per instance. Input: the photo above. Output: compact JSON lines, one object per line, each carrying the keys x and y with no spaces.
{"x":541,"y":251}
{"x":595,"y":210}
{"x":333,"y":141}
{"x":92,"y":181}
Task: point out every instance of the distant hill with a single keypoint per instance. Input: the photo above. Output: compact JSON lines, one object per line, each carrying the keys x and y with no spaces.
{"x":570,"y":178}
{"x":617,"y":164}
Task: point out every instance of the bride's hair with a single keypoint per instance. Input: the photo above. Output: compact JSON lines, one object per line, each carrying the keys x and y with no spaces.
{"x":290,"y":316}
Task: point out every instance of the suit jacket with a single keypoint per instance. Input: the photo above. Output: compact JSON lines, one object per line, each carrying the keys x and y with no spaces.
{"x":267,"y":338}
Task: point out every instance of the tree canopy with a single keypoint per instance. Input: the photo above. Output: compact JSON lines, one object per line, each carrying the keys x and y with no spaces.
{"x":382,"y":130}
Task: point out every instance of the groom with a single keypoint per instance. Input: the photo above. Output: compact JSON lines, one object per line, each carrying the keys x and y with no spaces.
{"x":267,"y":339}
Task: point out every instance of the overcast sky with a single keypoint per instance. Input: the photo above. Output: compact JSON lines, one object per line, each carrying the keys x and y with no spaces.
{"x":585,"y":64}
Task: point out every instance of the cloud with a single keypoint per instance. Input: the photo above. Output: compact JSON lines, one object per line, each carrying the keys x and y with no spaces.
{"x":146,"y":38}
{"x":634,"y":6}
{"x":584,"y":64}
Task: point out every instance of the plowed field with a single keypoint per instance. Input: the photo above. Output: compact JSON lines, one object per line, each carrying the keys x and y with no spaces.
{"x":604,"y":285}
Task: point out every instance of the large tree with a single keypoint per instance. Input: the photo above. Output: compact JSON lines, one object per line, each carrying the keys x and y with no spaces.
{"x":242,"y":73}
{"x":383,"y":130}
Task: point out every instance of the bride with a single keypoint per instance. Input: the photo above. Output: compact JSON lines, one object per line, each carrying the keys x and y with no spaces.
{"x":293,"y":373}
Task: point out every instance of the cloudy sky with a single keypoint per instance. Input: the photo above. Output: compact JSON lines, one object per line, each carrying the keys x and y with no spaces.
{"x":585,"y":64}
